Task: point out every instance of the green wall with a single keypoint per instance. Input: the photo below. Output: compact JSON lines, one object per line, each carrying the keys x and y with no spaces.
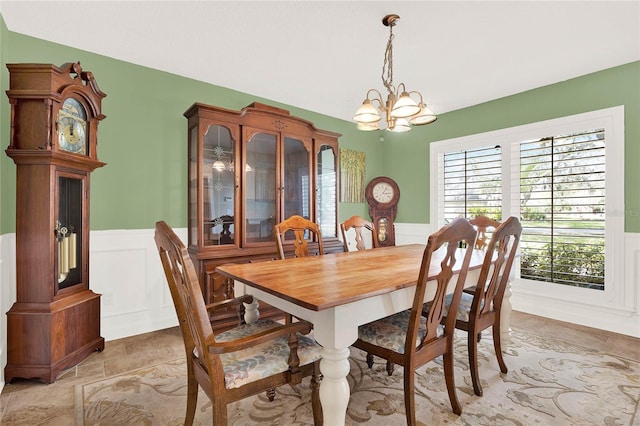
{"x":143,"y":138}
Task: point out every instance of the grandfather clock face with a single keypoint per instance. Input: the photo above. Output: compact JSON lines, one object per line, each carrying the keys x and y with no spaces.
{"x":72,"y":127}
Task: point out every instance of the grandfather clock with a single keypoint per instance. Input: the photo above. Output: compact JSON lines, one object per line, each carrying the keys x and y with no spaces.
{"x":55,"y":322}
{"x":382,"y":194}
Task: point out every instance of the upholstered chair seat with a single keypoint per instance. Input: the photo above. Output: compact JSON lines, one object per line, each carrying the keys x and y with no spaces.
{"x":391,"y":332}
{"x":263,"y":360}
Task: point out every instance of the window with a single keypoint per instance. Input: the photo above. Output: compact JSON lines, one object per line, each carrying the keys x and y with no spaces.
{"x":553,"y":175}
{"x":562,"y":205}
{"x":472,"y":183}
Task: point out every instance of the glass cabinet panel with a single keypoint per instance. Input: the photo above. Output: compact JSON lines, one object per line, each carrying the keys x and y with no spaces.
{"x":296,"y":175}
{"x":218,"y":186}
{"x":193,"y":186}
{"x":326,"y":200}
{"x":260,"y":187}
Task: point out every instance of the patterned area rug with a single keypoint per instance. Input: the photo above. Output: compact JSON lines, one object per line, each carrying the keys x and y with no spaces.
{"x":549,"y":383}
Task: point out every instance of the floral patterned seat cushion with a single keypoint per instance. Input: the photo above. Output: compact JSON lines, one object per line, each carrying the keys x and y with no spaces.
{"x":390,"y":332}
{"x":463,"y":310}
{"x":257,"y":362}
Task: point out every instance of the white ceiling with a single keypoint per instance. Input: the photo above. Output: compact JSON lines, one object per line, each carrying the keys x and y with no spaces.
{"x":324,"y":55}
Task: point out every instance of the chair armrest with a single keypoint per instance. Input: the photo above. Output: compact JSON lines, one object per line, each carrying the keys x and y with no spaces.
{"x":235,"y":345}
{"x":247,"y":298}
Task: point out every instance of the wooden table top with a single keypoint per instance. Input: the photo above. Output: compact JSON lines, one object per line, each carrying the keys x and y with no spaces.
{"x":323,"y":282}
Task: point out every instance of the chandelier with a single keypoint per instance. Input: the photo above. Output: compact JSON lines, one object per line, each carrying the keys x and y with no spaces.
{"x":400,"y":110}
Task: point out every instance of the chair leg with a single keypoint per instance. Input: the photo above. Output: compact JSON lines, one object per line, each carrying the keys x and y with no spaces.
{"x":192,"y":397}
{"x":449,"y":379}
{"x":390,"y":368}
{"x":271,"y":394}
{"x":472,"y":347}
{"x":316,"y":406}
{"x":370,"y":360}
{"x":409,"y":396}
{"x":497,"y":344}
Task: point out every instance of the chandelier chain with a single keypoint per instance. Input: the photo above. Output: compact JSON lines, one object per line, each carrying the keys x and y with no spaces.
{"x":387,"y":67}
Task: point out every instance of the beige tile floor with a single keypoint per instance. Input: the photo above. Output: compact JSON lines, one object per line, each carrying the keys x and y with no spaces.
{"x":56,"y":400}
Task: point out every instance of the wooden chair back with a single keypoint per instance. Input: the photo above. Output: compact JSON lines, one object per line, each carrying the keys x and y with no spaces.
{"x":447,"y":238}
{"x":301,"y":228}
{"x":361,"y":227}
{"x":482,"y":223}
{"x":499,"y":257}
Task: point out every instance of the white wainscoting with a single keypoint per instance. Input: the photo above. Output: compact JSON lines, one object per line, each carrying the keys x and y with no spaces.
{"x":7,"y":292}
{"x":126,"y":270}
{"x":624,"y":319}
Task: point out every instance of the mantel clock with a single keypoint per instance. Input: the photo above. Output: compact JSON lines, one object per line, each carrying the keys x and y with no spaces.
{"x":55,"y":321}
{"x":382,"y":194}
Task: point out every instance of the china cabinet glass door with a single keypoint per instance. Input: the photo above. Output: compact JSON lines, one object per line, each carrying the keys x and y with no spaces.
{"x":218,"y":187}
{"x":326,"y":198}
{"x":296,"y":179}
{"x":260,"y":187}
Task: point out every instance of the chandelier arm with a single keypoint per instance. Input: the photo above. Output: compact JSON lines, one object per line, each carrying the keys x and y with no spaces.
{"x":378,"y":99}
{"x":417,"y":93}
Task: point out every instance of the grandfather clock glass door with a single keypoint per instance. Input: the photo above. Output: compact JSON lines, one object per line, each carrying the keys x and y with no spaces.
{"x":68,"y":232}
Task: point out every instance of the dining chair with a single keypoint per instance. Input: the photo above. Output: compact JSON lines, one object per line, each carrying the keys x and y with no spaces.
{"x":364,"y":234}
{"x":480,"y":306}
{"x":303,"y":231}
{"x":410,"y":339}
{"x":242,"y":361}
{"x":361,"y":231}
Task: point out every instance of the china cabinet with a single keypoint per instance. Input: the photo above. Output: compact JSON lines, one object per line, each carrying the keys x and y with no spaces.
{"x":247,"y":171}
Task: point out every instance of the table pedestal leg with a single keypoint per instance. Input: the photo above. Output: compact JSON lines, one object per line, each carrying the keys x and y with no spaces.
{"x":334,"y":389}
{"x":505,"y":318}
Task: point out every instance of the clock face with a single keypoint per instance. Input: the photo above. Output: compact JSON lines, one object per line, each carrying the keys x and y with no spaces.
{"x":72,"y":127}
{"x":382,"y":192}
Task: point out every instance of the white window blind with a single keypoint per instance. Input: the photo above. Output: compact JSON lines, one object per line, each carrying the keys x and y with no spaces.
{"x":473,"y":183}
{"x":562,"y":209}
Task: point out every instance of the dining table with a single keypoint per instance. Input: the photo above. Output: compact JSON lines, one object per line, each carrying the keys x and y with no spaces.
{"x":337,"y":293}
